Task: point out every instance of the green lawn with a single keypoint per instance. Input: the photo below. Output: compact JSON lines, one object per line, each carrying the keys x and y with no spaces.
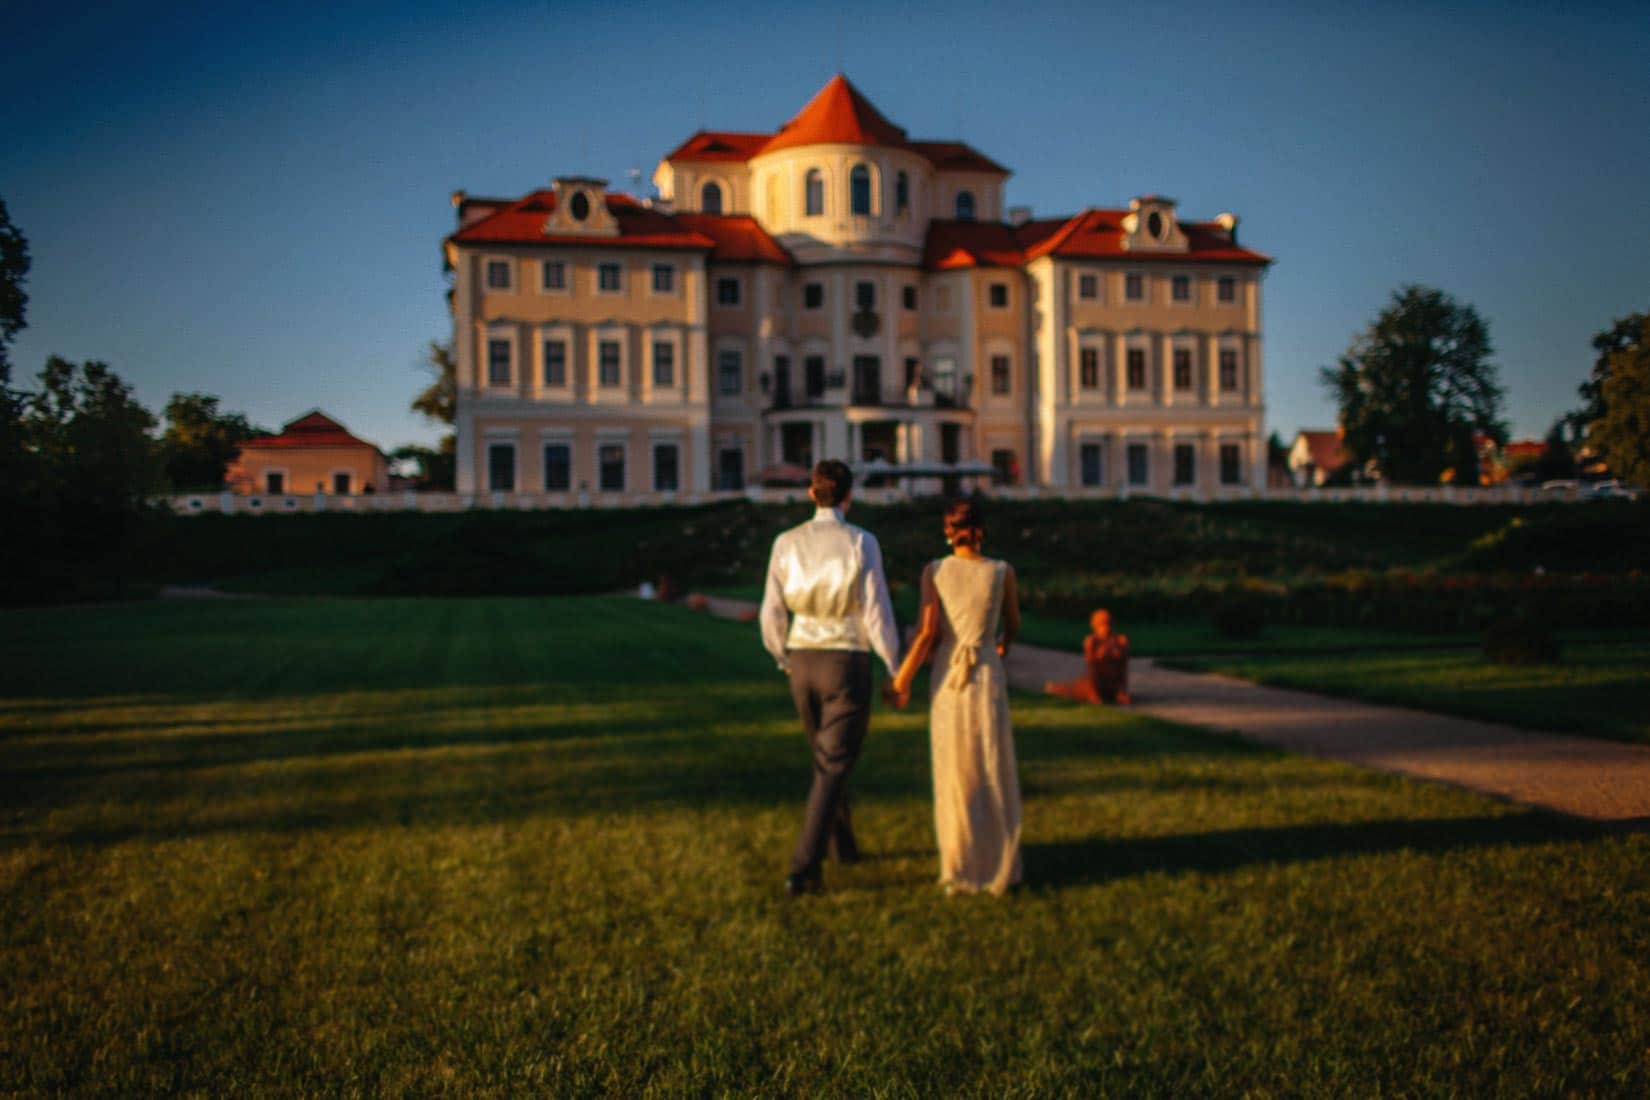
{"x":508,"y":847}
{"x":1601,"y":689}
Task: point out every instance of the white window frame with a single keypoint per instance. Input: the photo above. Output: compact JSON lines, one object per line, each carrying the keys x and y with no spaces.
{"x":613,"y":439}
{"x":558,"y":437}
{"x":671,"y":335}
{"x":744,"y":375}
{"x":655,"y":440}
{"x":509,"y":335}
{"x":511,"y":440}
{"x":1145,"y":298}
{"x":1097,"y":295}
{"x":1237,"y":292}
{"x":1142,"y":343}
{"x":1190,"y":301}
{"x":566,"y":288}
{"x":739,"y":292}
{"x":617,"y":291}
{"x":563,"y":333}
{"x":487,"y":263}
{"x":653,"y":291}
{"x":1101,"y":346}
{"x":1187,"y":344}
{"x":1234,"y":345}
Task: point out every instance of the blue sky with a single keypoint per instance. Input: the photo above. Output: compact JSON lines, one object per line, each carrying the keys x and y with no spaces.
{"x":250,"y":201}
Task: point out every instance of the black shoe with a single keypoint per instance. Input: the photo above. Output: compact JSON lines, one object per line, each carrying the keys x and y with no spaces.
{"x":799,"y":884}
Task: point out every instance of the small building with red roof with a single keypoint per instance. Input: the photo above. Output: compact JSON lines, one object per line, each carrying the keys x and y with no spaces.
{"x":1316,"y":456}
{"x":312,"y":454}
{"x":835,"y":287}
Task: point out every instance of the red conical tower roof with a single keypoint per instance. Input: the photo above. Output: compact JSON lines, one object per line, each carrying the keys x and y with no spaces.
{"x":838,"y":114}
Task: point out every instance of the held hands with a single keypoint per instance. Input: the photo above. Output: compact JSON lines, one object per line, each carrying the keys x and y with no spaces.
{"x":894,"y":697}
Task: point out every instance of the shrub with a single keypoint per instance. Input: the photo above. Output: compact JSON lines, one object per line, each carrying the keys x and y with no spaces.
{"x":1239,"y":615}
{"x":1520,"y":639}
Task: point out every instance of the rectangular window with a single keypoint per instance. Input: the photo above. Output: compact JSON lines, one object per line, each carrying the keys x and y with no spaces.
{"x":664,"y":279}
{"x":909,"y":295}
{"x":608,"y":278}
{"x":498,"y":362}
{"x":1137,"y":368}
{"x":950,"y":444}
{"x":340,"y":485}
{"x":999,"y":296}
{"x":664,"y":363}
{"x":1226,"y":289}
{"x":554,"y":276}
{"x":813,"y":295}
{"x":865,"y":295}
{"x":1088,"y":287}
{"x":1088,"y":458}
{"x":607,"y":364}
{"x":1002,"y":377}
{"x":1231,"y":464}
{"x":1140,"y":469}
{"x":1182,"y":368}
{"x":1134,"y":288}
{"x":498,"y":274}
{"x":1228,"y":369}
{"x":730,"y":468}
{"x":813,"y":376}
{"x":727,"y":292}
{"x":1185,"y":464}
{"x":501,"y":467}
{"x":1181,"y":288}
{"x":274,"y":483}
{"x":730,"y":373}
{"x":610,"y":467}
{"x":665,"y":479}
{"x":558,"y":467}
{"x":1088,"y":368}
{"x":1005,"y":466}
{"x":781,"y":381}
{"x":555,"y":363}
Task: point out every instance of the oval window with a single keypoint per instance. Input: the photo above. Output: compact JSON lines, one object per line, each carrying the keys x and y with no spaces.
{"x":1155,"y":226}
{"x":579,"y":207}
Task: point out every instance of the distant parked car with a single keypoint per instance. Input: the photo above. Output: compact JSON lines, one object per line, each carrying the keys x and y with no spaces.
{"x":1563,"y":485}
{"x":1611,"y":489}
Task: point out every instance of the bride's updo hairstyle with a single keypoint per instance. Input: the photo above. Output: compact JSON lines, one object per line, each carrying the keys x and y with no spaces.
{"x":964,"y":525}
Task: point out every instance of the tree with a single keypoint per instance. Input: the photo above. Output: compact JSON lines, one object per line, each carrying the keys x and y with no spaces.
{"x":14,"y":272}
{"x":1620,"y":336}
{"x":1558,"y":462}
{"x":439,"y":400}
{"x":200,"y":441}
{"x":436,"y":466}
{"x":1621,"y":431}
{"x":1415,"y":387}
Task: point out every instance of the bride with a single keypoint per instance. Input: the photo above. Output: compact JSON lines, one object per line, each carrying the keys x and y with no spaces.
{"x":976,"y":782}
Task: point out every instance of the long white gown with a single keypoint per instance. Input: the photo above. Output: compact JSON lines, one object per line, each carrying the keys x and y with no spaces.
{"x":976,"y":780}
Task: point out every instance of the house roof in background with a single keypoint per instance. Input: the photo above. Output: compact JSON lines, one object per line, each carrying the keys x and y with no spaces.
{"x":314,"y":429}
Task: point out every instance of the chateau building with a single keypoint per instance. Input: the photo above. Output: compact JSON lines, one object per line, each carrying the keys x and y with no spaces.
{"x":837,"y":289}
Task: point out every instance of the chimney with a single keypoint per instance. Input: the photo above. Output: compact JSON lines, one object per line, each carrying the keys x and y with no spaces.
{"x":1019,"y":215}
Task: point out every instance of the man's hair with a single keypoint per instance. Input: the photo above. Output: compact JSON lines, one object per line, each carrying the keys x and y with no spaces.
{"x":831,"y":483}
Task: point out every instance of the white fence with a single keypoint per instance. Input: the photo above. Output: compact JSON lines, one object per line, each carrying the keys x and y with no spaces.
{"x":410,"y":501}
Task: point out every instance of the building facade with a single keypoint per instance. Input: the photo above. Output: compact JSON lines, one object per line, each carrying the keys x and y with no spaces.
{"x":835,"y":289}
{"x":312,"y":454}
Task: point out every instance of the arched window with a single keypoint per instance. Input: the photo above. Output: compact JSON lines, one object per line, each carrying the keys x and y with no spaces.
{"x":859,"y":189}
{"x":965,"y":206}
{"x":710,"y":198}
{"x":814,"y":193}
{"x":902,"y":193}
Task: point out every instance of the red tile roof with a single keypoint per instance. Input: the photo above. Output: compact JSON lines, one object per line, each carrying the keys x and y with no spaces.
{"x":522,"y":222}
{"x":837,"y":114}
{"x":953,"y":244}
{"x":1098,"y":234}
{"x":313,"y":429}
{"x":1324,"y":450}
{"x":737,"y":237}
{"x":720,"y":145}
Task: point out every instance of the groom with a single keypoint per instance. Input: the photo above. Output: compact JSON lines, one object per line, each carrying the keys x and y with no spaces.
{"x":826,"y":604}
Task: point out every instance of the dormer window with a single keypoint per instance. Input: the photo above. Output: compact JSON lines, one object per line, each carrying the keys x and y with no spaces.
{"x":965,"y":206}
{"x":1157,"y":226}
{"x":580,"y":209}
{"x":579,"y":206}
{"x":710,"y":198}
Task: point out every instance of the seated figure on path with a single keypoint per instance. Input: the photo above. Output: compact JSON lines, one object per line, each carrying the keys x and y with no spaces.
{"x":1106,"y":677}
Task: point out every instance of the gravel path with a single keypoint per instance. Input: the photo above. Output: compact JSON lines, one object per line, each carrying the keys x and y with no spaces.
{"x":1579,"y":776}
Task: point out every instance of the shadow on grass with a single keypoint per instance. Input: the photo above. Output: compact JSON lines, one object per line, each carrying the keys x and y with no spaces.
{"x":1102,"y":859}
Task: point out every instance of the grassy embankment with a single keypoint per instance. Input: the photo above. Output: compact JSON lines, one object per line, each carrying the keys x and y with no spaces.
{"x":509,"y":846}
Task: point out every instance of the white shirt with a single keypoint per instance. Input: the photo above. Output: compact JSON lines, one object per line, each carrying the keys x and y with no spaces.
{"x":825,"y":590}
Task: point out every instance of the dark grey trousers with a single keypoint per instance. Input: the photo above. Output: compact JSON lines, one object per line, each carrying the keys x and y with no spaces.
{"x":832,"y":691}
